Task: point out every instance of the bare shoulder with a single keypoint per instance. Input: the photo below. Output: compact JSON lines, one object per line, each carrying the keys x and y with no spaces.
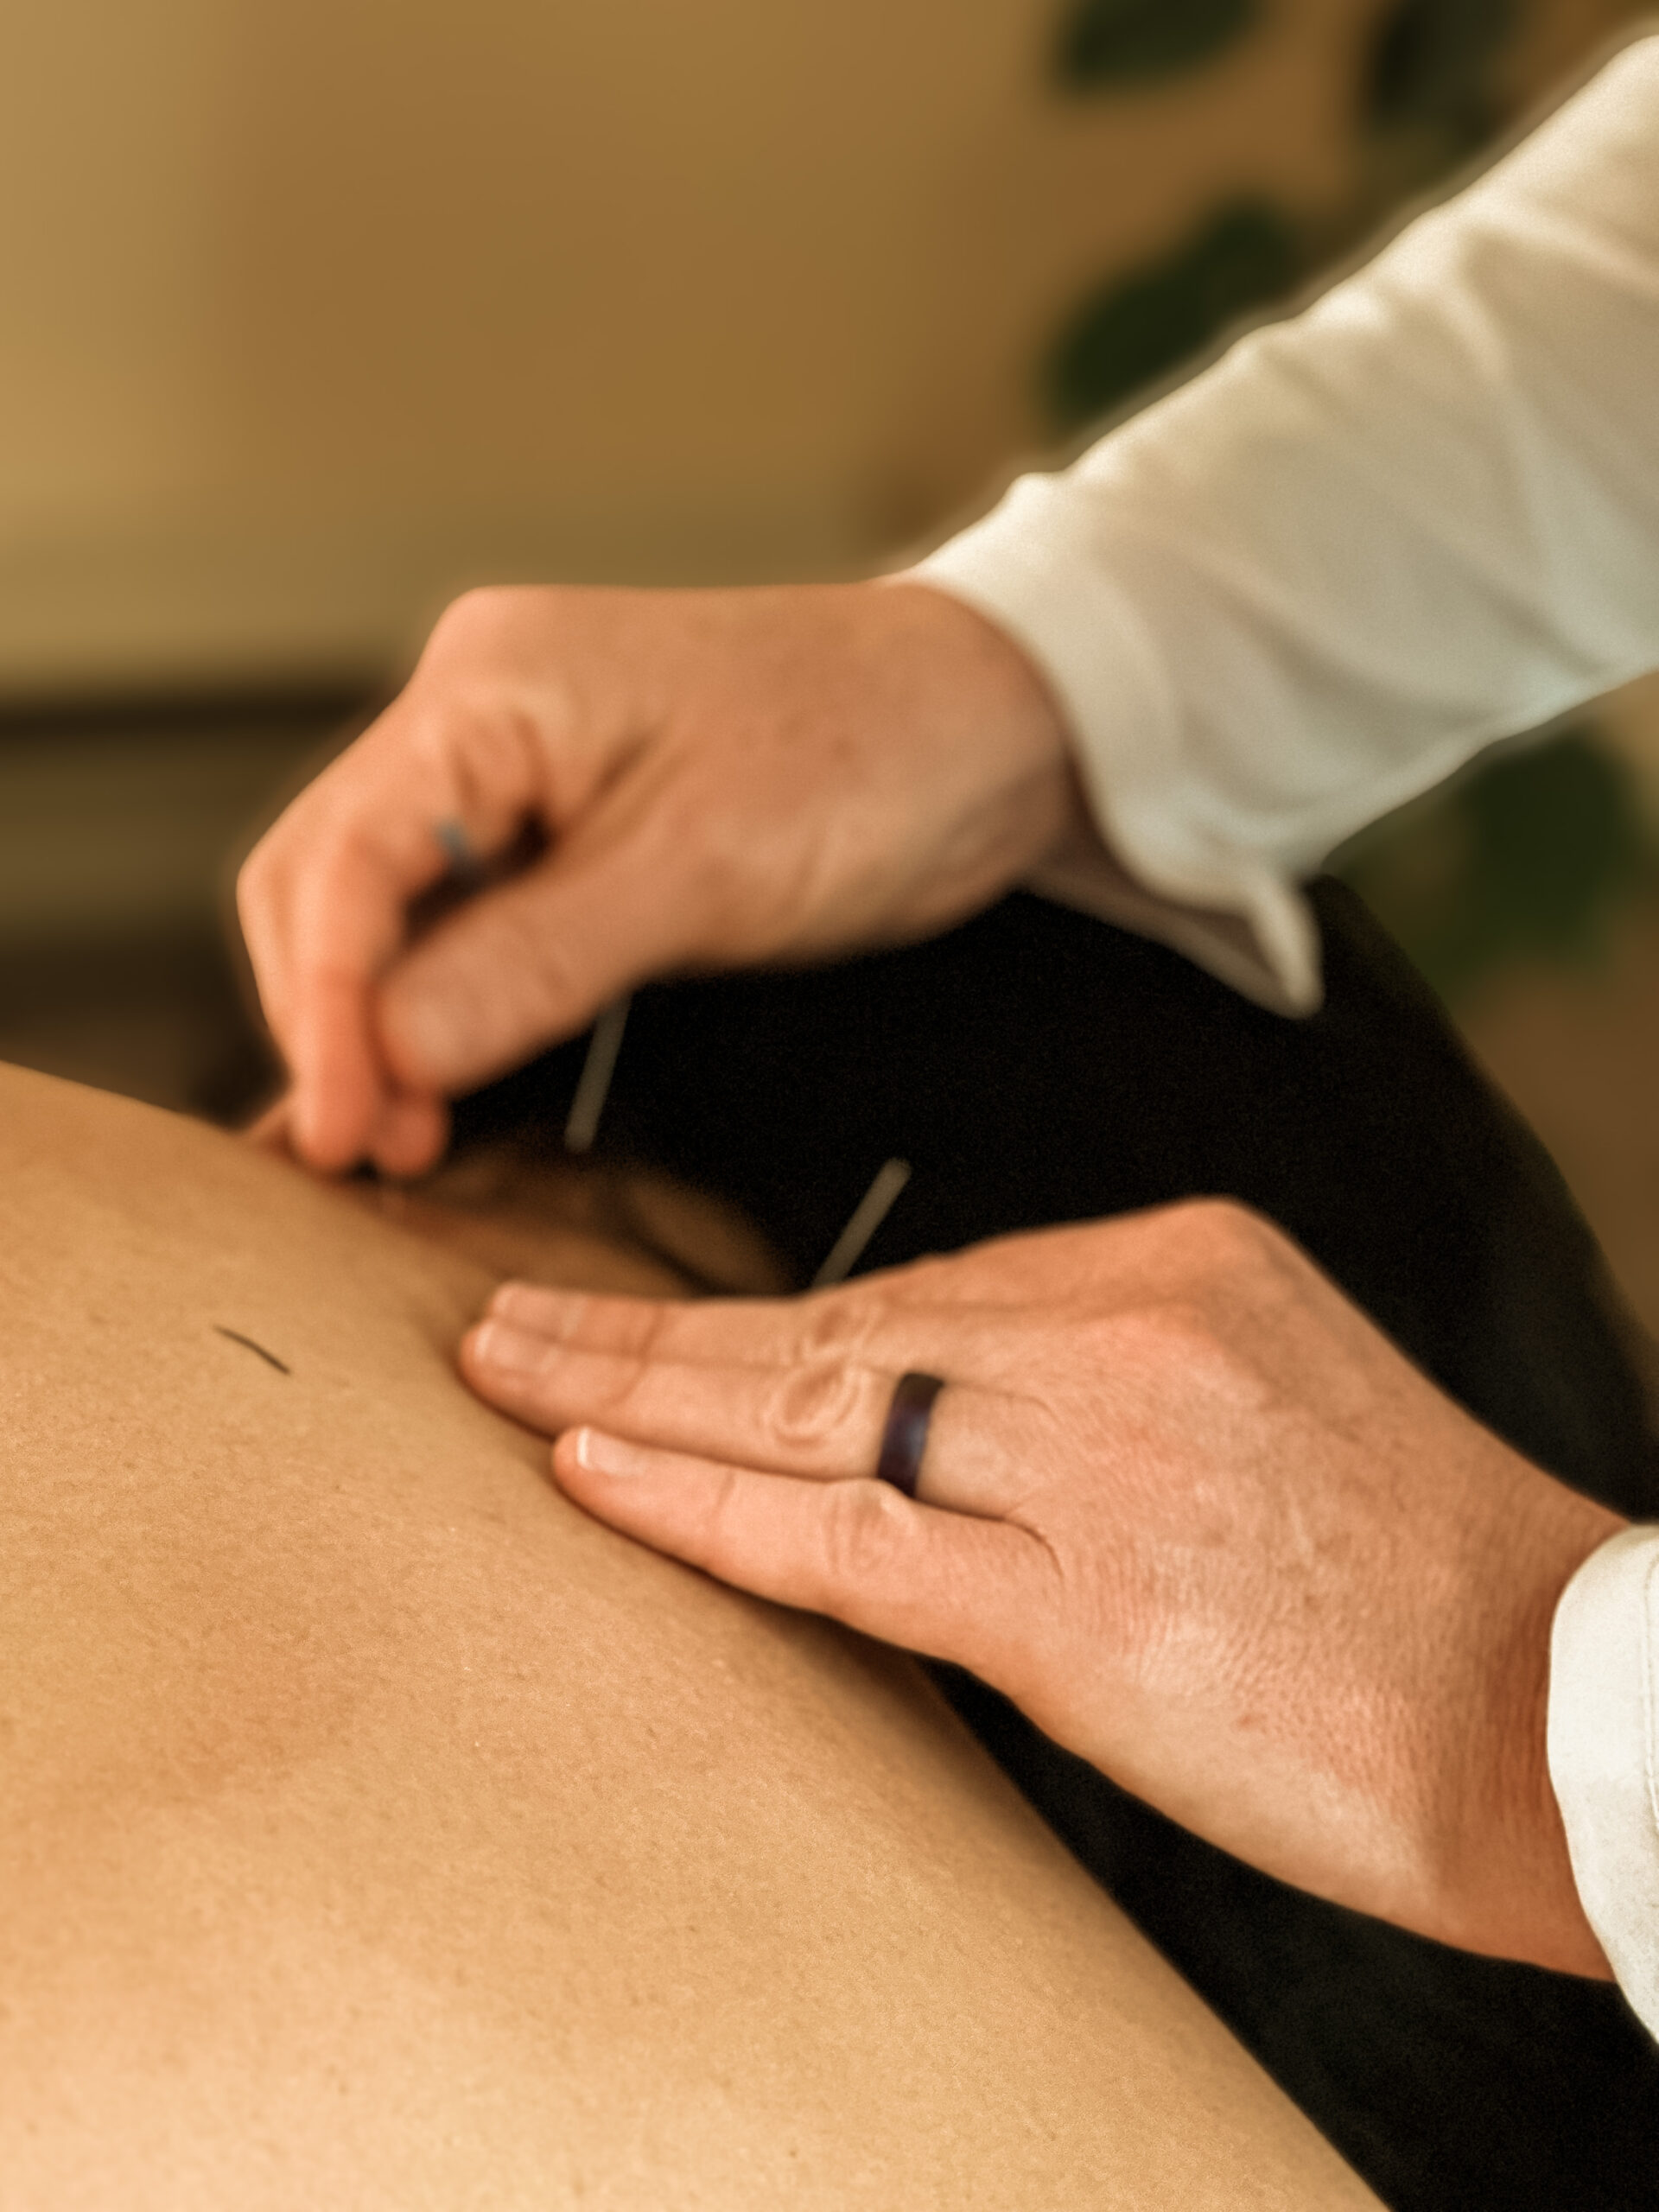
{"x":379,"y":1831}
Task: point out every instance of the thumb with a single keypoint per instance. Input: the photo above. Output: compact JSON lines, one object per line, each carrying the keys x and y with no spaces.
{"x":953,"y":1586}
{"x":527,"y":962}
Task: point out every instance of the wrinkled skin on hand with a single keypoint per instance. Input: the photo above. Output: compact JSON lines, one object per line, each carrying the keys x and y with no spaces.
{"x":1181,"y":1501}
{"x":721,"y":778}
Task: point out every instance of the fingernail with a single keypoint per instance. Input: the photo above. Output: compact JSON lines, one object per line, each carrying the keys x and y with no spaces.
{"x":513,"y":1351}
{"x":609,"y":1455}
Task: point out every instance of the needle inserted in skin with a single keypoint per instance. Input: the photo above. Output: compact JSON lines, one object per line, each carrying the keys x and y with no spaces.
{"x":597,"y":1069}
{"x":867,"y":1216}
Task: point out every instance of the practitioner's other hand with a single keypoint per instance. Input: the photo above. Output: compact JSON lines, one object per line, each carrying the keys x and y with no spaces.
{"x":1179,"y":1501}
{"x":721,"y":778}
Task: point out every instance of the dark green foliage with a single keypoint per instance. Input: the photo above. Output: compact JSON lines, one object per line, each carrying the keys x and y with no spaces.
{"x":1141,"y":325}
{"x":1109,"y":42}
{"x":1429,"y":66}
{"x":1526,"y":854}
{"x":1524,"y":857}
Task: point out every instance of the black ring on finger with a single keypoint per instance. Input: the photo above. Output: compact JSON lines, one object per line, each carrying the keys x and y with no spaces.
{"x":905,"y":1438}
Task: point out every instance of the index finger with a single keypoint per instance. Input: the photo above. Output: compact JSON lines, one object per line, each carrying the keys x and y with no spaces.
{"x":324,"y":900}
{"x":980,"y":1592}
{"x":834,"y":1331}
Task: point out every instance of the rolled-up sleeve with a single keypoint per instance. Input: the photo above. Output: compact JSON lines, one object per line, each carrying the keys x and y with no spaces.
{"x":1603,"y":1753}
{"x":1420,"y":516}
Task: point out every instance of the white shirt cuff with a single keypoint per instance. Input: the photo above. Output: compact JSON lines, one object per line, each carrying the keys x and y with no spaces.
{"x":1228,"y":911}
{"x":1604,"y":1752}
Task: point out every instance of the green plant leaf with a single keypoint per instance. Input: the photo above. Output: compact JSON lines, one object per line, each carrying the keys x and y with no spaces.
{"x":1429,"y":65}
{"x":1139,"y":326}
{"x":1524,"y":857}
{"x":1108,"y":42}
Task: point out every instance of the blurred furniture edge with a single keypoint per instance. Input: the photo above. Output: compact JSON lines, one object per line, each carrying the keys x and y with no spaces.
{"x":122,"y":820}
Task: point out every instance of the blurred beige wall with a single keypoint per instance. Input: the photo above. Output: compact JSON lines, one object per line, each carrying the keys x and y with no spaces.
{"x":311,"y":314}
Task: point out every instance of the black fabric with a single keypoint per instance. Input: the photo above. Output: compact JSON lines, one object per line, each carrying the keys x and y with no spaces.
{"x":1036,"y":1065}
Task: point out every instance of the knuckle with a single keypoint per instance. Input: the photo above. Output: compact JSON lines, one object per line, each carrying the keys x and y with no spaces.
{"x":507,"y":626}
{"x":812,"y":1405}
{"x":859,"y":1536}
{"x":725,"y":1539}
{"x":1228,"y":1238}
{"x":1187,"y":1349}
{"x":253,"y":877}
{"x":837,"y":1327}
{"x":471,"y":742}
{"x":1171,"y":1333}
{"x":481,"y":613}
{"x":648,"y":1325}
{"x":254,"y":903}
{"x":1180,"y":1328}
{"x":618,"y":1380}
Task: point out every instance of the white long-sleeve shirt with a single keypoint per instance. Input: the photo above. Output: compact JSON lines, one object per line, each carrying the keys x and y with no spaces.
{"x":1420,"y":516}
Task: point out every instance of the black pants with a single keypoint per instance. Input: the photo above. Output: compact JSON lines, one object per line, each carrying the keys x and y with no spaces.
{"x":1036,"y":1066}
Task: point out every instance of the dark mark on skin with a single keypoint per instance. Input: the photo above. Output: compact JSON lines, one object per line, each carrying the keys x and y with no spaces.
{"x":270,"y":1357}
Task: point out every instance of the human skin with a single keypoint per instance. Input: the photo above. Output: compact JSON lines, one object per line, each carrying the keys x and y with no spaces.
{"x":379,"y":1832}
{"x":724,"y":779}
{"x":1233,"y":1550}
{"x":1180,"y":1502}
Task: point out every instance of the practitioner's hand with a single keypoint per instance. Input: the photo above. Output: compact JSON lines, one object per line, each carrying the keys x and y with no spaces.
{"x":723,"y":777}
{"x":1179,"y":1501}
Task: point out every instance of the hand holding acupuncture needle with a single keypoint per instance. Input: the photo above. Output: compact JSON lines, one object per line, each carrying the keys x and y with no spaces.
{"x":470,"y":873}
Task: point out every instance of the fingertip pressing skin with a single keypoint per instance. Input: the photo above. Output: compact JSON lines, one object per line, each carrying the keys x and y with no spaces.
{"x":328,"y":1135}
{"x":272,"y":1131}
{"x":340,"y":1090}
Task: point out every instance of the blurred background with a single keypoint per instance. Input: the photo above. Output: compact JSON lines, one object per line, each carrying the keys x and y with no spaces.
{"x":311,"y":316}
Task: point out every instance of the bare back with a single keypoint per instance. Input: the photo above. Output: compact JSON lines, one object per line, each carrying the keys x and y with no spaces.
{"x":378,"y":1831}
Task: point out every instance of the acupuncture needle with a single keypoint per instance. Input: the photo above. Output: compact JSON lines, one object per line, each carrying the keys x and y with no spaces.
{"x":867,"y":1216}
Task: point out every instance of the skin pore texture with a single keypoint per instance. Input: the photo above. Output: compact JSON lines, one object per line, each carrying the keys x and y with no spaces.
{"x":380,"y":1830}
